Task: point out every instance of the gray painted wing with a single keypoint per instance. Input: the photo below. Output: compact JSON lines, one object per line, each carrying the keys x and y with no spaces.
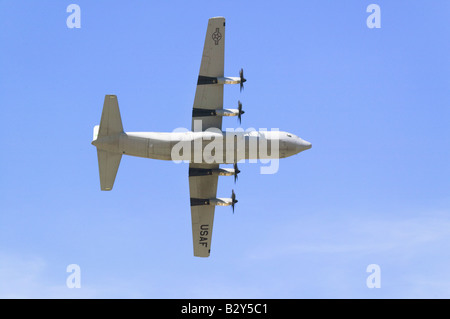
{"x":207,"y":96}
{"x":210,"y":96}
{"x":202,"y":187}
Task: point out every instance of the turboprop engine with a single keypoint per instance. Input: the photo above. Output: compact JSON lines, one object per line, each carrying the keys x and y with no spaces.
{"x":215,"y":201}
{"x":211,"y":171}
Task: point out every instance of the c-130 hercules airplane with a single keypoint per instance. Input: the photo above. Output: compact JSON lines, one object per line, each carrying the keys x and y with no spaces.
{"x":112,"y":142}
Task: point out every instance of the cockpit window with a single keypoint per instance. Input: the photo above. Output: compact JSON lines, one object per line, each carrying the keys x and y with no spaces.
{"x":289,"y":135}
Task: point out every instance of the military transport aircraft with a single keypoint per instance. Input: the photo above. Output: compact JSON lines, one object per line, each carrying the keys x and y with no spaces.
{"x":112,"y":142}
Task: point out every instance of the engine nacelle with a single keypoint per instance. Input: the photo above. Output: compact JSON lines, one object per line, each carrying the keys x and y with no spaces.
{"x":205,"y":171}
{"x":210,"y":112}
{"x":215,"y":201}
{"x":227,"y":112}
{"x":228,"y":80}
{"x":211,"y":201}
{"x":221,"y":201}
{"x":226,"y":171}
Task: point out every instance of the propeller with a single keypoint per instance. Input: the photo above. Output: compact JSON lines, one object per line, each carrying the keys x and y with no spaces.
{"x":236,"y":172}
{"x":233,"y":199}
{"x":240,"y":111}
{"x":241,"y":75}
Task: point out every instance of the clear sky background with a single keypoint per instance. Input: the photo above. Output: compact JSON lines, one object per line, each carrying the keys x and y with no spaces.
{"x":374,"y":188}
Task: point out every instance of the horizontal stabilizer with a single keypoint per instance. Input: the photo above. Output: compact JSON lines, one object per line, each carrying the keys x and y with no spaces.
{"x":108,"y":164}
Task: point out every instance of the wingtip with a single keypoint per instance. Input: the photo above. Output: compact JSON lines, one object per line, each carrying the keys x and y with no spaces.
{"x":217,"y":19}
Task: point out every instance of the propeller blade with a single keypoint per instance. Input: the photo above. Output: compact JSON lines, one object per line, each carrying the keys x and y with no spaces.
{"x":233,"y":199}
{"x":241,"y":75}
{"x":236,"y":172}
{"x":240,"y":111}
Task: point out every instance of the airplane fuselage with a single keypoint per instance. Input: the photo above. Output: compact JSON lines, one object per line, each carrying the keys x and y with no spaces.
{"x":204,"y":147}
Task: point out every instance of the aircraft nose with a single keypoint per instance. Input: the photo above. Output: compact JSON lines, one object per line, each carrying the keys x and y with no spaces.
{"x":303,"y":145}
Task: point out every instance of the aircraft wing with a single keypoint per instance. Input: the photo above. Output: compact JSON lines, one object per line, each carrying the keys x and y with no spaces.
{"x":208,"y":96}
{"x":202,"y":188}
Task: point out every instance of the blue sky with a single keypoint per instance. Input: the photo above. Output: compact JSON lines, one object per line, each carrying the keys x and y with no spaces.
{"x":374,"y":188}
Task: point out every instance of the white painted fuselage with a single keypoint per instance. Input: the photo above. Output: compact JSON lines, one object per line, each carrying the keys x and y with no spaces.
{"x":204,"y":147}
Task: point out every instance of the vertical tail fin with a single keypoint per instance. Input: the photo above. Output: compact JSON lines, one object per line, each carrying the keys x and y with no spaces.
{"x":104,"y":139}
{"x":111,"y":122}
